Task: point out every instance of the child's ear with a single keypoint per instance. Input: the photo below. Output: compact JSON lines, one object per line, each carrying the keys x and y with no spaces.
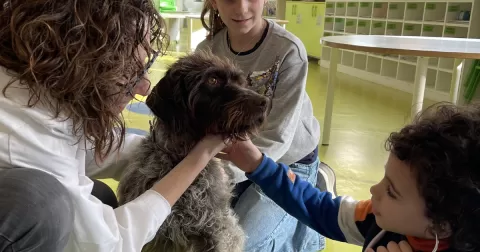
{"x":214,"y":5}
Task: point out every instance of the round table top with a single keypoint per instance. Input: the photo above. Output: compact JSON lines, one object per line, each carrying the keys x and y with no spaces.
{"x":406,"y":45}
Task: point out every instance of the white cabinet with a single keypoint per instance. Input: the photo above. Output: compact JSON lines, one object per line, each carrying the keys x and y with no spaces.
{"x":435,"y":18}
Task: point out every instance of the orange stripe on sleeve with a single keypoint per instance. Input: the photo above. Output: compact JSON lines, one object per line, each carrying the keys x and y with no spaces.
{"x":362,"y":209}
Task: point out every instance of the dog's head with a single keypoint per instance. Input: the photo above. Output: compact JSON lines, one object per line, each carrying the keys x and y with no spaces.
{"x":203,"y":94}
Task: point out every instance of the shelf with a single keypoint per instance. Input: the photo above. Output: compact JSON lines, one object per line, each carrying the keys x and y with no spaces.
{"x":391,"y":57}
{"x":425,"y":18}
{"x":360,"y":61}
{"x":412,"y":29}
{"x":365,"y":10}
{"x":374,"y":64}
{"x":393,"y":28}
{"x":435,"y":12}
{"x":396,"y":11}
{"x":352,"y":9}
{"x":327,"y":34}
{"x":446,"y":63}
{"x":459,"y":23}
{"x":432,"y":31}
{"x":389,"y":68}
{"x":376,"y":55}
{"x":456,"y":11}
{"x":455,"y":32}
{"x":406,"y":72}
{"x":414,"y":11}
{"x":329,"y":23}
{"x":329,"y":9}
{"x":339,"y":24}
{"x":443,"y":82}
{"x":378,"y":28}
{"x":351,"y":26}
{"x":433,"y":62}
{"x":380,"y":10}
{"x":347,"y":58}
{"x":340,"y":9}
{"x":363,"y":27}
{"x":431,"y":78}
{"x":411,"y":60}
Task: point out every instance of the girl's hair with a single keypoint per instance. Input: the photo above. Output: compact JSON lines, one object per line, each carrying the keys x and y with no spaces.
{"x":442,"y":147}
{"x":77,"y":57}
{"x":215,"y":23}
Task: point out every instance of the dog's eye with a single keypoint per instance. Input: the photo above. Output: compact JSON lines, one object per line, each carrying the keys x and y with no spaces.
{"x":212,"y":81}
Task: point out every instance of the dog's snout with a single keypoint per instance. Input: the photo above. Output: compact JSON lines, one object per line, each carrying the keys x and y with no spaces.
{"x":261,"y":119}
{"x":263,"y":103}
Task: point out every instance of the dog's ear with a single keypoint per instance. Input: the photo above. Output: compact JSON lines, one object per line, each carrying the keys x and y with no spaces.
{"x":165,"y":105}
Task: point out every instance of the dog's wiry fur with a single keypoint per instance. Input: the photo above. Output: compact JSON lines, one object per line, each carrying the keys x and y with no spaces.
{"x":200,"y":94}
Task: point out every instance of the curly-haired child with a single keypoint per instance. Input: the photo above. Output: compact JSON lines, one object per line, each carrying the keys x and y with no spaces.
{"x":428,"y":200}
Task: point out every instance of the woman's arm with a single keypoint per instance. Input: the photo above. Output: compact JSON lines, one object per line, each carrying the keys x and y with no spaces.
{"x":176,"y":182}
{"x":129,"y":227}
{"x":115,"y":164}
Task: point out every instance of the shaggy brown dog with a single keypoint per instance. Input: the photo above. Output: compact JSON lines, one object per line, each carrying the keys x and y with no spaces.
{"x":200,"y":94}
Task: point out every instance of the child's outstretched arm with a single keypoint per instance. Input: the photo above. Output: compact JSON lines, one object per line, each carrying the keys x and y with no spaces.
{"x":341,"y":219}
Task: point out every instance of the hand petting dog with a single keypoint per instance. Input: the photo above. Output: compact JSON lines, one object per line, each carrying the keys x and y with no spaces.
{"x":243,"y":154}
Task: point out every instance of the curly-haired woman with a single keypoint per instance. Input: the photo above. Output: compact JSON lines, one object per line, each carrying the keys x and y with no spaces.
{"x":67,"y":70}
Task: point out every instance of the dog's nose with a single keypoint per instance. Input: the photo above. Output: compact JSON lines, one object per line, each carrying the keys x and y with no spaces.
{"x":260,"y":120}
{"x":263,"y":103}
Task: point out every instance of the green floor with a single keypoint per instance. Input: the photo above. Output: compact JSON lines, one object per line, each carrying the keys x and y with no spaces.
{"x":364,"y":115}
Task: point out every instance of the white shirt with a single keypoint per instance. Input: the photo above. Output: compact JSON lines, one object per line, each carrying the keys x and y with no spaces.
{"x":30,"y":138}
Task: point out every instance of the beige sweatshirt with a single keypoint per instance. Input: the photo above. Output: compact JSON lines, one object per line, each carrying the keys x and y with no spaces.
{"x":277,"y":68}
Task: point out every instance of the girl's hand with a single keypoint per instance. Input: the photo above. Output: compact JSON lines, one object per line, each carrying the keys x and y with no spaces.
{"x":243,"y":154}
{"x":403,"y":246}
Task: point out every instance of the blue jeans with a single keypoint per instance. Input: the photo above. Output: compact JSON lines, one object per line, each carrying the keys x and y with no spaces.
{"x":36,"y":212}
{"x":268,"y":227}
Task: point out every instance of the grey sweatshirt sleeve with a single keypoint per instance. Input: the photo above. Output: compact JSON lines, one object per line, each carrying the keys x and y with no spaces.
{"x":277,"y":136}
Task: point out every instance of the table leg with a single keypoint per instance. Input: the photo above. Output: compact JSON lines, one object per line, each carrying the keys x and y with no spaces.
{"x":189,"y":33}
{"x":332,"y":79}
{"x":455,"y":86}
{"x":419,"y":86}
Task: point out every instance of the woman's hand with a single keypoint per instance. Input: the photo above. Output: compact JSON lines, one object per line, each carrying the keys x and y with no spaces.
{"x":210,"y":145}
{"x":176,"y":182}
{"x":403,"y":246}
{"x":244,"y":154}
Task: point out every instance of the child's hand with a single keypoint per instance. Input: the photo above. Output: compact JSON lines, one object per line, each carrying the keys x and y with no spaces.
{"x":403,"y":246}
{"x":244,"y":154}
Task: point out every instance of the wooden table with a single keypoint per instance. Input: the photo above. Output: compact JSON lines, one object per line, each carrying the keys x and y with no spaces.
{"x":423,"y":47}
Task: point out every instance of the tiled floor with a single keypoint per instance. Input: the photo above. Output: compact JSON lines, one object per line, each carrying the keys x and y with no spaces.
{"x":364,"y":115}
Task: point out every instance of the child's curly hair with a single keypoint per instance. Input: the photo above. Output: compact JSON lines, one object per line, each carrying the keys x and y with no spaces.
{"x":73,"y":56}
{"x":442,"y":146}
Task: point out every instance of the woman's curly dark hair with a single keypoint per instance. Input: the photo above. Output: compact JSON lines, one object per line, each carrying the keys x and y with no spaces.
{"x":73,"y":55}
{"x":442,"y":146}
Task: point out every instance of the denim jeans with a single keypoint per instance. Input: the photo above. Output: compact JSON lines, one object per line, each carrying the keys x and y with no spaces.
{"x":268,"y":227}
{"x":36,"y":212}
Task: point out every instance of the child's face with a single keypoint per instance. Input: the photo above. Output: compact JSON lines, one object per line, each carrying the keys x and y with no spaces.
{"x":396,"y":202}
{"x":240,"y":16}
